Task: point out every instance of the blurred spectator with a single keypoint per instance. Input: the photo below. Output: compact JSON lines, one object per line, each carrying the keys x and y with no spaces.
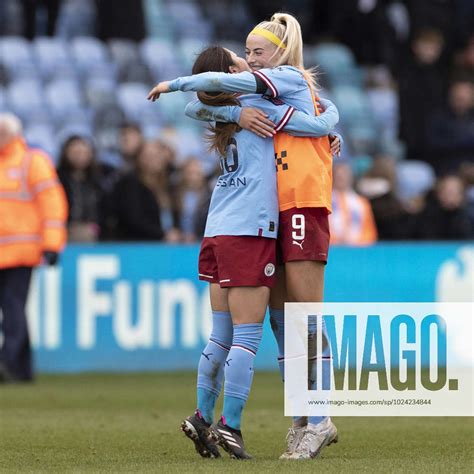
{"x":445,"y":216}
{"x":451,"y":131}
{"x":438,"y":14}
{"x":143,"y":206}
{"x":466,"y":173}
{"x":379,"y":186}
{"x":352,"y":220}
{"x":130,"y":142}
{"x":77,"y":18}
{"x":81,"y":177}
{"x":364,"y":26}
{"x":464,"y":63}
{"x":34,"y":8}
{"x":123,"y":19}
{"x":193,"y":195}
{"x":33,"y":211}
{"x":422,"y":89}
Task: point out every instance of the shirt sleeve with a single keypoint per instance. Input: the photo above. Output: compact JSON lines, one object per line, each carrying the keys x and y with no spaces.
{"x":304,"y":125}
{"x":216,"y":82}
{"x":208,"y":113}
{"x":281,"y":81}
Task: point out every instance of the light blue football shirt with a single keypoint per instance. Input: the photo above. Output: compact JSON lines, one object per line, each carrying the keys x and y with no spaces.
{"x":245,"y":198}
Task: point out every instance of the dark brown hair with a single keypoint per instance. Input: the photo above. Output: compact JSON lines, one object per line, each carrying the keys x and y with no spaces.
{"x":64,"y":165}
{"x":217,"y":59}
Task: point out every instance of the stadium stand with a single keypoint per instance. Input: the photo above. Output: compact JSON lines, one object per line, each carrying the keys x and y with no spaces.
{"x":76,"y":83}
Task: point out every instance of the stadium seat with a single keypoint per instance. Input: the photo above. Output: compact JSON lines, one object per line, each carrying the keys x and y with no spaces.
{"x":353,"y":105}
{"x":16,"y":58}
{"x":236,"y":46}
{"x":25,"y":99}
{"x":42,"y":136}
{"x":132,"y":97}
{"x":363,"y":138}
{"x":62,"y":94}
{"x":125,"y":55}
{"x":108,"y":117}
{"x":14,"y":50}
{"x":53,"y":58}
{"x":100,"y":92}
{"x":159,"y":23}
{"x":88,"y":52}
{"x":102,"y":70}
{"x":3,"y":99}
{"x":172,"y":107}
{"x":333,"y":56}
{"x":123,"y":52}
{"x":156,"y":51}
{"x":414,"y":178}
{"x":384,"y":106}
{"x":162,"y":59}
{"x":137,"y":71}
{"x":64,"y":100}
{"x":189,"y":49}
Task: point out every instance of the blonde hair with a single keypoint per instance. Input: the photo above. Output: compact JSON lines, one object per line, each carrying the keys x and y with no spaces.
{"x":288,"y":30}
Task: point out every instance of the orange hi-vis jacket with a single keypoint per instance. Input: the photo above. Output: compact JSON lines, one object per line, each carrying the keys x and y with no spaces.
{"x":33,"y":206}
{"x":352,"y":221}
{"x":304,"y":170}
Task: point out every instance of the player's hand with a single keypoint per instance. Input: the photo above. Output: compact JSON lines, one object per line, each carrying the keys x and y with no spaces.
{"x":320,"y":107}
{"x":257,"y":122}
{"x":161,"y":88}
{"x":335,"y":141}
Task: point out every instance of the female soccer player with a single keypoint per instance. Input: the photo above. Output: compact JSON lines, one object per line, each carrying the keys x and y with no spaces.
{"x":304,"y":172}
{"x":238,"y":256}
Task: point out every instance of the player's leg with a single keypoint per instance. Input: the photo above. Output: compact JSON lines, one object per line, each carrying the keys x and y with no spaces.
{"x":305,"y":261}
{"x":211,"y":363}
{"x":248,"y":268}
{"x":247,"y":306}
{"x":213,"y":356}
{"x":305,"y":281}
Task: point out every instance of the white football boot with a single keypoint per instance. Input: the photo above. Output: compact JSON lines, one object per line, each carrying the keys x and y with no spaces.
{"x":314,"y":439}
{"x":293,"y":438}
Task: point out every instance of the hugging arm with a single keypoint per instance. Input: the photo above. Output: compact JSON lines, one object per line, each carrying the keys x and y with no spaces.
{"x":298,"y":124}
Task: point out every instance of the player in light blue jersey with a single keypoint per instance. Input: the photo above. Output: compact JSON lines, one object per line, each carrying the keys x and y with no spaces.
{"x":274,"y":53}
{"x":238,"y":255}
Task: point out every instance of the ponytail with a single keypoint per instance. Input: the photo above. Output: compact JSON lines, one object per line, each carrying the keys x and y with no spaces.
{"x":288,"y":30}
{"x":220,"y":133}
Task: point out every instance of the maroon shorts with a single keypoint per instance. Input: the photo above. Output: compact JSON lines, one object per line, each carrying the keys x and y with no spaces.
{"x":234,"y":260}
{"x":303,"y":234}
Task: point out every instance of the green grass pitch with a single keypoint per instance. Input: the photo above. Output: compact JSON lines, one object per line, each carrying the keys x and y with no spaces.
{"x":130,"y":423}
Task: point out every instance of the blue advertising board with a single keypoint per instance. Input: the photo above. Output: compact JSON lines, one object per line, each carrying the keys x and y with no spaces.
{"x":141,"y":307}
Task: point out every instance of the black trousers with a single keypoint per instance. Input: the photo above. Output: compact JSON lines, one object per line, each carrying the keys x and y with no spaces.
{"x":15,"y":353}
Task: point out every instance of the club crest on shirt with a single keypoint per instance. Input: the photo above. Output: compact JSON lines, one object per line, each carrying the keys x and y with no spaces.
{"x":269,"y":269}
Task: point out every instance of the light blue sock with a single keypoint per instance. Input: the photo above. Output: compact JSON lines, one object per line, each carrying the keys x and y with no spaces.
{"x":211,"y":364}
{"x":239,"y":371}
{"x":326,"y":354}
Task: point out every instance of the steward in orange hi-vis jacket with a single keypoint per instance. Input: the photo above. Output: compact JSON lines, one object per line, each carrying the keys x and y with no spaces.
{"x":33,"y":207}
{"x":33,"y":214}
